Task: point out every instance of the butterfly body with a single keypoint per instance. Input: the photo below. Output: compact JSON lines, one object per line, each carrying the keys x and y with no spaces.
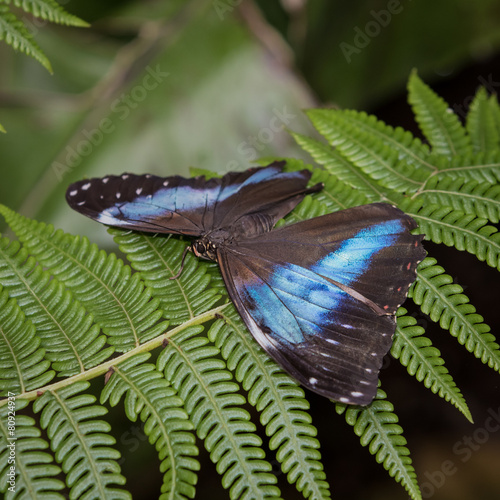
{"x":319,"y":296}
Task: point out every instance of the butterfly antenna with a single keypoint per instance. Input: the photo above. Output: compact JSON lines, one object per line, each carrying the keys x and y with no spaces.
{"x":186,"y":250}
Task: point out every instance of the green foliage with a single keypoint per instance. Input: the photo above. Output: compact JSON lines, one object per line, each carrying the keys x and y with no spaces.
{"x":70,"y":312}
{"x":17,"y":34}
{"x":376,"y":426}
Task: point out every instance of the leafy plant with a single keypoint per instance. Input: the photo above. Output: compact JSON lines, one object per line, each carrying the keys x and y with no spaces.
{"x":69,"y":313}
{"x":16,"y":33}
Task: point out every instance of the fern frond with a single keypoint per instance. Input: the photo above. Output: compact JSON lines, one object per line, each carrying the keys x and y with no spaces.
{"x":454,"y":228}
{"x":466,"y":195}
{"x":66,"y":330}
{"x":440,"y":125}
{"x":22,"y":363}
{"x":48,"y":10}
{"x":382,"y":162}
{"x":422,"y":360}
{"x":495,"y":112}
{"x":15,"y":33}
{"x":151,"y":398}
{"x":22,"y":447}
{"x":482,"y":167}
{"x":158,"y":259}
{"x":120,"y":302}
{"x":280,"y":402}
{"x":377,"y":427}
{"x":81,"y":442}
{"x":408,"y":147}
{"x":481,"y":123}
{"x":216,"y":410}
{"x":340,"y":168}
{"x":444,"y":302}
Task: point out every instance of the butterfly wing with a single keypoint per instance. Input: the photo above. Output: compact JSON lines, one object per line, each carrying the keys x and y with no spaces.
{"x":188,"y":206}
{"x":320,"y":295}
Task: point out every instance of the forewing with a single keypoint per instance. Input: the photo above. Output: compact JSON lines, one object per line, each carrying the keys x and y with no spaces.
{"x":319,"y":296}
{"x":191,"y":206}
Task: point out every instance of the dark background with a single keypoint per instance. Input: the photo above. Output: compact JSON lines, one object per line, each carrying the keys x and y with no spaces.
{"x":232,"y":66}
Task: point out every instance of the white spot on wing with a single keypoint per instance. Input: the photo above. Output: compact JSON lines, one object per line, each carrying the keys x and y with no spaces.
{"x":356,"y":394}
{"x":86,"y":186}
{"x":344,"y":400}
{"x":118,"y":195}
{"x":165,"y":183}
{"x":313,"y":381}
{"x":81,"y":203}
{"x":105,"y":180}
{"x":72,"y":193}
{"x":125,"y":176}
{"x":138,"y":191}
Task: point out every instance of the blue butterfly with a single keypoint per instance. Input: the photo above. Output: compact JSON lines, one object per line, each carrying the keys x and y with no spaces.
{"x":319,"y":296}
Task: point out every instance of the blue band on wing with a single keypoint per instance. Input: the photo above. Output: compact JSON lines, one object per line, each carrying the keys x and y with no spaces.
{"x":353,"y":256}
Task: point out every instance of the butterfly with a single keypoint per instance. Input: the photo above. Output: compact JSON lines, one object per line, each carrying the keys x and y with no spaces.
{"x":319,"y":296}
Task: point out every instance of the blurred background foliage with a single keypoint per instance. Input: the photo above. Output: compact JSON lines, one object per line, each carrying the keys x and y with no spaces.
{"x":163,"y":85}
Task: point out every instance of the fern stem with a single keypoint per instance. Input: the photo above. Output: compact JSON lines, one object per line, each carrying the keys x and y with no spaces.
{"x":104,"y":367}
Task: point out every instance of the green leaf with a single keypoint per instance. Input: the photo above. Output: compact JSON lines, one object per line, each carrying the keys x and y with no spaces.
{"x":481,"y":167}
{"x":440,"y":125}
{"x":48,"y":10}
{"x":81,"y":442}
{"x":150,"y":397}
{"x":280,"y":402}
{"x":120,"y":302}
{"x":22,"y":363}
{"x":67,"y":332}
{"x":376,"y":157}
{"x":467,"y":195}
{"x":340,"y":168}
{"x":455,"y":228}
{"x":15,"y":33}
{"x":158,"y":259}
{"x":481,"y":123}
{"x":377,"y":427}
{"x":216,"y":409}
{"x":21,"y":446}
{"x":422,"y":360}
{"x":444,"y":302}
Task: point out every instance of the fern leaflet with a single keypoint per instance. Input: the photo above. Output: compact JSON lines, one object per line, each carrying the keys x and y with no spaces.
{"x":15,"y":33}
{"x":481,"y":123}
{"x":215,"y":408}
{"x":158,"y":259}
{"x":22,"y":364}
{"x":454,"y":228}
{"x":67,"y":333}
{"x":444,"y":302}
{"x":81,"y":443}
{"x":380,"y":161}
{"x":422,"y":360}
{"x":377,"y":427}
{"x":151,"y":398}
{"x":280,"y":402}
{"x":49,"y":10}
{"x":35,"y":473}
{"x":120,"y":302}
{"x":440,"y":125}
{"x":466,"y":195}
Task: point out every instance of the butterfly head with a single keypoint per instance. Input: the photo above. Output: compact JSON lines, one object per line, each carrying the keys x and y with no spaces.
{"x":205,"y":249}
